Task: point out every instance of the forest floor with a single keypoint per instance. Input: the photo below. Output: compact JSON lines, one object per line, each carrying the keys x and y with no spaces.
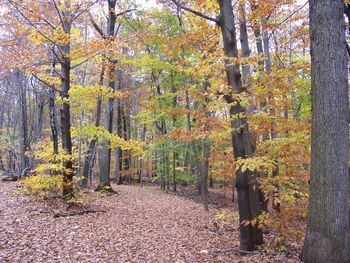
{"x":134,"y":225}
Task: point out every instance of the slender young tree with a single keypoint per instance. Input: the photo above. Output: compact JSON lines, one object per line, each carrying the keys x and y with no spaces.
{"x":327,"y":236}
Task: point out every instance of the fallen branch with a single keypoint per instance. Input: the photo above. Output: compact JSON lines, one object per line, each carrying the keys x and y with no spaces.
{"x":75,"y":213}
{"x":238,"y":251}
{"x":10,"y":178}
{"x":243,"y":252}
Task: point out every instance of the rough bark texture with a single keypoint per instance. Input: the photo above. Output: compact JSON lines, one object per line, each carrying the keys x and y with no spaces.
{"x":327,"y":237}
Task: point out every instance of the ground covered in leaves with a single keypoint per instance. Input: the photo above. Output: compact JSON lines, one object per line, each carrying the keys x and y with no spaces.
{"x":135,"y":225}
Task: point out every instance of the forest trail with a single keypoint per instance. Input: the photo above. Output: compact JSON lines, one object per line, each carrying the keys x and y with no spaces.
{"x":137,"y":225}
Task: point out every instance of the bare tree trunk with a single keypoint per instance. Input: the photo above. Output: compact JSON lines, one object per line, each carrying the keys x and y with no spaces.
{"x":65,"y":62}
{"x":244,"y":44}
{"x":91,"y":152}
{"x":243,"y":145}
{"x":142,"y":161}
{"x":39,"y":120}
{"x":327,"y":235}
{"x":204,"y":175}
{"x":119,"y":124}
{"x":53,"y":119}
{"x":105,"y":154}
{"x":23,"y":123}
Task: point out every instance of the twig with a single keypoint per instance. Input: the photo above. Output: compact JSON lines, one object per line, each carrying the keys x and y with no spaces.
{"x":66,"y":214}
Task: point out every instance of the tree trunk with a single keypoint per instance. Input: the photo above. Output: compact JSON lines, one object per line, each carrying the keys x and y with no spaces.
{"x":204,"y":175}
{"x":65,"y":127}
{"x":327,"y":235}
{"x":40,"y":102}
{"x":65,"y":61}
{"x":142,"y":161}
{"x":119,"y":124}
{"x":244,"y":43}
{"x":23,"y":123}
{"x":243,"y":145}
{"x":91,"y":152}
{"x":53,"y":119}
{"x":105,"y":154}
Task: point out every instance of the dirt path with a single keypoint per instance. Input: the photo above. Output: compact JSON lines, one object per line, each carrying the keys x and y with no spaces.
{"x":138,"y":225}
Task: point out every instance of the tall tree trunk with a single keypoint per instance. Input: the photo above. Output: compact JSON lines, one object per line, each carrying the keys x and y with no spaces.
{"x":119,"y":124}
{"x":65,"y":61}
{"x":187,"y":105}
{"x":53,"y":119}
{"x":174,"y":153}
{"x":327,"y":235}
{"x":244,"y":44}
{"x":91,"y":152}
{"x":40,"y":102}
{"x":65,"y":127}
{"x":105,"y":154}
{"x":204,"y":174}
{"x":52,"y":106}
{"x":23,"y":123}
{"x":243,"y":143}
{"x":142,"y":161}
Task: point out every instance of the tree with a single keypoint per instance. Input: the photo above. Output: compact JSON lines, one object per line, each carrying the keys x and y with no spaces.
{"x":105,"y":155}
{"x":327,"y":236}
{"x":242,"y":141}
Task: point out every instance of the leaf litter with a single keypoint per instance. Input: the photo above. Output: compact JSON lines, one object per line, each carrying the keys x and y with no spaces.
{"x":136,"y":225}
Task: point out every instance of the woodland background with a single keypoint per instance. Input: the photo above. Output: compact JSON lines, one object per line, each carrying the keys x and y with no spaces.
{"x":97,"y":94}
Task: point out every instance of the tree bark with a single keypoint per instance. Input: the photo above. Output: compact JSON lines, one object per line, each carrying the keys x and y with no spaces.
{"x":105,"y":154}
{"x":23,"y":123}
{"x":65,"y":61}
{"x":243,"y":144}
{"x":53,"y":119}
{"x":91,"y":152}
{"x":327,"y":235}
{"x":39,"y":120}
{"x":119,"y":124}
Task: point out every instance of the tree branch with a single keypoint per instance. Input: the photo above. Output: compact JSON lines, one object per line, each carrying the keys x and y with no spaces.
{"x":288,"y":17}
{"x":83,"y":11}
{"x":125,"y":12}
{"x":31,"y":23}
{"x":58,"y":11}
{"x":47,"y":84}
{"x":197,"y":13}
{"x":98,"y":29}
